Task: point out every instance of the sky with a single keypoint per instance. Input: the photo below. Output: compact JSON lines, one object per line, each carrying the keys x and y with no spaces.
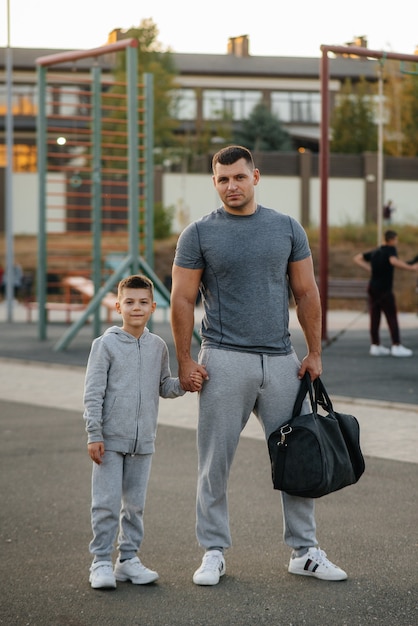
{"x":296,"y":29}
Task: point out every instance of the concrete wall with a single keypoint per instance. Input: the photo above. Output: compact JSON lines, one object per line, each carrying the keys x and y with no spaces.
{"x":193,"y":195}
{"x":25,"y":203}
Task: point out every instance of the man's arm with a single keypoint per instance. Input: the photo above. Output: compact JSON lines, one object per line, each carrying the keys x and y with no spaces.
{"x":308,"y":309}
{"x":359,"y":260}
{"x":393,"y":260}
{"x":184,"y":292}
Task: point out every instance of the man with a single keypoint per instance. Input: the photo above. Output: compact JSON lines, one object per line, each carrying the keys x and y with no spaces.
{"x":381,"y":263}
{"x":243,"y":257}
{"x":388,"y":209}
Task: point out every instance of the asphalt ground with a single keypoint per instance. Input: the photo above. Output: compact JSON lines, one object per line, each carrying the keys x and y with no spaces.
{"x":369,"y":529}
{"x":348,"y":369}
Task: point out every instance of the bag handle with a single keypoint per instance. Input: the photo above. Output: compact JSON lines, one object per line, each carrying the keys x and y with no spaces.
{"x":317,"y":396}
{"x":321,"y":396}
{"x":305,"y":387}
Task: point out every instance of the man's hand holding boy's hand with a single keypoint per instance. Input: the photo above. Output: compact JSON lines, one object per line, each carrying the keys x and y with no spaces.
{"x":96,"y":451}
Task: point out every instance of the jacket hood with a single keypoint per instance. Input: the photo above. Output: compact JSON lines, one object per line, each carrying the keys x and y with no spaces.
{"x":123,"y":335}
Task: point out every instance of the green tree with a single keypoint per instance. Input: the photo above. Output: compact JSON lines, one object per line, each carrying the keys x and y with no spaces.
{"x":263,"y":131}
{"x":401,"y":109}
{"x":410,"y":116}
{"x":393,"y":104}
{"x":353,"y":120}
{"x":153,"y":59}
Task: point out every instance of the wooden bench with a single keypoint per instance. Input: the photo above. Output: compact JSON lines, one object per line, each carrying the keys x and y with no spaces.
{"x":347,"y":288}
{"x":85,"y":288}
{"x":67,"y":307}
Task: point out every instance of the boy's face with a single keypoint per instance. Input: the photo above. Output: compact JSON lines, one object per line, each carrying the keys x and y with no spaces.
{"x":136,"y":307}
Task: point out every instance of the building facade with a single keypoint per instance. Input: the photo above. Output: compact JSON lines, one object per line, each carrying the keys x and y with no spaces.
{"x":211,"y":89}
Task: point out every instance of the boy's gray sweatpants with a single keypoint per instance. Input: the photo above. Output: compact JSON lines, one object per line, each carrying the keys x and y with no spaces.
{"x":240,"y":383}
{"x":119,"y":487}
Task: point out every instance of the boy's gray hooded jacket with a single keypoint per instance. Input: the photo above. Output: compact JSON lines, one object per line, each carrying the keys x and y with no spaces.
{"x":124,"y":379}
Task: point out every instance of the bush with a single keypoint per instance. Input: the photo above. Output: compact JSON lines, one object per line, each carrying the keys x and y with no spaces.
{"x":163,"y":221}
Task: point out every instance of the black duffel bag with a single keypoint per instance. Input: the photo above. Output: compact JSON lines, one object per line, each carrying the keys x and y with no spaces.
{"x":312,"y":454}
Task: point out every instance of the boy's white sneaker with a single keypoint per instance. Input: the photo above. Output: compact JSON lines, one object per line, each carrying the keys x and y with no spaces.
{"x":135,"y":571}
{"x":315,"y":563}
{"x":102,"y":576}
{"x":212,"y":568}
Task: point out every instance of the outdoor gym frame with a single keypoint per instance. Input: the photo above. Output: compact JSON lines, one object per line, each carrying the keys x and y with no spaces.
{"x":132,"y":261}
{"x":324,"y":156}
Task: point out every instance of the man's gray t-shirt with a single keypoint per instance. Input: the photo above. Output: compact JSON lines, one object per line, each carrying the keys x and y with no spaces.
{"x":244,"y":283}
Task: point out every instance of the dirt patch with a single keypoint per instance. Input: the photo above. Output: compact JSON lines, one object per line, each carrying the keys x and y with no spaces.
{"x":70,"y":254}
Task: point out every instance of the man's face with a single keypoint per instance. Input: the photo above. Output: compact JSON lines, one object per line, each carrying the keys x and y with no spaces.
{"x":235,"y":185}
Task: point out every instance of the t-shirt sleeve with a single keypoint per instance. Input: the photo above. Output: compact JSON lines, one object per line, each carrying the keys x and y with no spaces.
{"x":188,"y":251}
{"x":300,"y":248}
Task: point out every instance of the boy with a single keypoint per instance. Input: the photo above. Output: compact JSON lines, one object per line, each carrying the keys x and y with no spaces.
{"x":128,"y":369}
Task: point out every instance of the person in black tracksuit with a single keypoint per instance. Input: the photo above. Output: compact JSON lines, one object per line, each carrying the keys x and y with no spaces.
{"x":381,"y":262}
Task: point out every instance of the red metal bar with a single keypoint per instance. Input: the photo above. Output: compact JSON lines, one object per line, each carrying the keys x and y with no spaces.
{"x":323,"y":172}
{"x":75,"y":55}
{"x":371,"y":54}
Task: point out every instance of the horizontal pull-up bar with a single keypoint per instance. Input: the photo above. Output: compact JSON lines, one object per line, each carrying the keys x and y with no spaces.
{"x":372,"y":54}
{"x":75,"y":55}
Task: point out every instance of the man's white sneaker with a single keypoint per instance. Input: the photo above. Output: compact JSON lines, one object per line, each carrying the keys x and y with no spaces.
{"x":212,"y":568}
{"x":376,"y":350}
{"x":102,"y":576}
{"x":315,"y":563}
{"x":134,"y":571}
{"x":400,"y":350}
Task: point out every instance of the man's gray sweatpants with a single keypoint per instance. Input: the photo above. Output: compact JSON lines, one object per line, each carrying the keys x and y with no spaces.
{"x":240,"y":383}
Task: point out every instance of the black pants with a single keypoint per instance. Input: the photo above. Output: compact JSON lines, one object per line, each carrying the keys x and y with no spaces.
{"x":383,"y":302}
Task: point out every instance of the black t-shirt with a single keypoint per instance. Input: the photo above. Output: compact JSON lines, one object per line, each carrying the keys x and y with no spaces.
{"x":382,"y":270}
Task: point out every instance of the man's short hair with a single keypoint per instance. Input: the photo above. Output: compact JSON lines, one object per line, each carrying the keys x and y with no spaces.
{"x":232,"y":154}
{"x":390,"y":235}
{"x":137,"y":281}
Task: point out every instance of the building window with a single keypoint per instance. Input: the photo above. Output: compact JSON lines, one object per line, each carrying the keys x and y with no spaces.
{"x":24,"y":100}
{"x":184,"y":104}
{"x":236,"y":105}
{"x":24,"y":157}
{"x":296,"y":106}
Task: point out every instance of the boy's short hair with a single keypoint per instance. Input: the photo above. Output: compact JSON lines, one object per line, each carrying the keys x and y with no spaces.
{"x":390,"y":235}
{"x":137,"y":281}
{"x":232,"y":154}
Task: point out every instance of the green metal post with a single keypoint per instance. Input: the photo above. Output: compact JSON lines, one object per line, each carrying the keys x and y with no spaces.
{"x":133,"y":206}
{"x":96,"y":192}
{"x":41,"y":148}
{"x":149,"y":168}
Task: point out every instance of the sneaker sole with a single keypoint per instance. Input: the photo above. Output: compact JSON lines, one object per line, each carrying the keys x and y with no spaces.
{"x":137,"y":581}
{"x":319,"y":576}
{"x":109,"y":585}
